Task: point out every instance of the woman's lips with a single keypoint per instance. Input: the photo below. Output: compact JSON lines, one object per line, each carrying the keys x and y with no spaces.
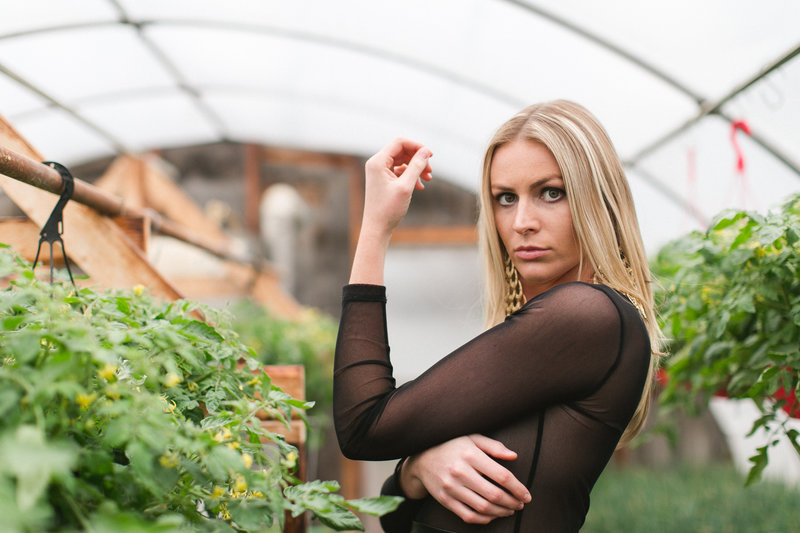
{"x":529,"y":253}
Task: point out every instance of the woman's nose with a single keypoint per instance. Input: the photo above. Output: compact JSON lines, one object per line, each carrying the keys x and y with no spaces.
{"x":526,"y":218}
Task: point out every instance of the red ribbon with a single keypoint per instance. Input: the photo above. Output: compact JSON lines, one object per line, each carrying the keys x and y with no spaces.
{"x":737,"y":125}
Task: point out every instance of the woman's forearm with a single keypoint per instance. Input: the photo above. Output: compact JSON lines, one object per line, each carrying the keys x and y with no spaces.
{"x":370,"y":255}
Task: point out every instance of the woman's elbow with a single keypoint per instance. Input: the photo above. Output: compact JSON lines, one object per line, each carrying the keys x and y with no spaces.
{"x":349,"y":441}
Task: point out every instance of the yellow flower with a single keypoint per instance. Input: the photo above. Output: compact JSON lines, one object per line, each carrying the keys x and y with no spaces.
{"x":84,"y":400}
{"x":138,"y":290}
{"x":172,"y":379}
{"x":291,"y":460}
{"x":233,"y":445}
{"x":170,"y":408}
{"x":223,"y":435}
{"x":169,"y":460}
{"x":192,"y":386}
{"x":107,"y":372}
{"x":239,"y":483}
{"x":218,"y":492}
{"x":257,"y":494}
{"x":247,"y":459}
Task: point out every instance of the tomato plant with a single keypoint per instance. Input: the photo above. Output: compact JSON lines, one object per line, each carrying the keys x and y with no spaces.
{"x":120,"y":412}
{"x":731,"y":308}
{"x":306,"y":340}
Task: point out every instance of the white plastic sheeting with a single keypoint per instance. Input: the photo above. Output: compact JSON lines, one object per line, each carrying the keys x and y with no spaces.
{"x":88,"y":78}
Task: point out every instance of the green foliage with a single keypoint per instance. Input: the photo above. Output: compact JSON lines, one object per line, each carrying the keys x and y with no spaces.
{"x":307,"y":341}
{"x":122,"y":413}
{"x":731,"y":308}
{"x":707,"y":499}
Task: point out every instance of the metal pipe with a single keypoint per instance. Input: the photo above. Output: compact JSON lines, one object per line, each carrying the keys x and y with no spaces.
{"x":27,"y":170}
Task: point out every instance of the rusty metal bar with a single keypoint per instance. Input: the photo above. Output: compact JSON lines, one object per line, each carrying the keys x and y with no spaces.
{"x":27,"y":170}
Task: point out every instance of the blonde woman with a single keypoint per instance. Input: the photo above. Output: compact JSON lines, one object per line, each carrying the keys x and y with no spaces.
{"x":563,"y":374}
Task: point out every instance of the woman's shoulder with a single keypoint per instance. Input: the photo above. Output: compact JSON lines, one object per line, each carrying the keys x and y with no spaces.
{"x":576,"y":294}
{"x":578,"y":303}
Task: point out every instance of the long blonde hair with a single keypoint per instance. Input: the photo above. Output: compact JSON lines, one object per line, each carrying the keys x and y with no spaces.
{"x":603,"y":216}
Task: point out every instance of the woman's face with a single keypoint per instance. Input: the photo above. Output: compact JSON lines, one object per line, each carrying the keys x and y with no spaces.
{"x":532,"y":216}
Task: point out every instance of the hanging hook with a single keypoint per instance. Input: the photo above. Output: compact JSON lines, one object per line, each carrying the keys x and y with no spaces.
{"x":54,"y":227}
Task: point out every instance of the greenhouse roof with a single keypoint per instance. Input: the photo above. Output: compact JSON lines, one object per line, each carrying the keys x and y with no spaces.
{"x":678,"y":85}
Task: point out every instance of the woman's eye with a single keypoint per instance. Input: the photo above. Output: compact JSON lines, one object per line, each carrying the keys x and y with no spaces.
{"x":506,"y":198}
{"x":551,"y":194}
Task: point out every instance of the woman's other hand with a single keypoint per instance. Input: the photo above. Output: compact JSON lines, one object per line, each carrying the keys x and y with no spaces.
{"x":391,"y":177}
{"x":392,"y":174}
{"x":457,"y":475}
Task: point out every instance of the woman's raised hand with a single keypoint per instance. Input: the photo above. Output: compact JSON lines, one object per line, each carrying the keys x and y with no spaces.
{"x":391,"y":177}
{"x":461,"y":475}
{"x":392,"y":174}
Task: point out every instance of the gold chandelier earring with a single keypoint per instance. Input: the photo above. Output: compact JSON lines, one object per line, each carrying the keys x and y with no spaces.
{"x":514,"y":297}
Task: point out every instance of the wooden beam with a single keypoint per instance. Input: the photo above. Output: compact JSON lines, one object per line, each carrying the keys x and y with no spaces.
{"x":93,"y":241}
{"x":141,"y":184}
{"x":436,"y":235}
{"x":125,"y":178}
{"x":28,"y":171}
{"x":137,"y":230}
{"x":303,"y":158}
{"x":166,"y":197}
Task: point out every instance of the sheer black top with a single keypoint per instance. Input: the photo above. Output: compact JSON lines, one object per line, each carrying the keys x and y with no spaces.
{"x":557,"y":382}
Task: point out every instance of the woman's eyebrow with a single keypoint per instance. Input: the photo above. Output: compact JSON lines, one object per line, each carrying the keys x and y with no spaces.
{"x":538,"y":183}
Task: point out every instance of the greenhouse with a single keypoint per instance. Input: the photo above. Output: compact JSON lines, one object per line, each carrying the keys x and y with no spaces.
{"x":201,"y":204}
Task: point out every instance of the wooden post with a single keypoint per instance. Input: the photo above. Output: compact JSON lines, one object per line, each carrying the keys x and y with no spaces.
{"x":291,"y":379}
{"x":252,"y":186}
{"x":356,"y":203}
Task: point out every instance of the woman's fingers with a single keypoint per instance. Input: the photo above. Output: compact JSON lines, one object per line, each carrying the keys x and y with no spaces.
{"x":417,"y":167}
{"x":399,"y":151}
{"x":492,"y":447}
{"x":465,"y":477}
{"x":392,"y":174}
{"x":425,"y":176}
{"x":467,"y":507}
{"x":488,"y":497}
{"x":495,"y":471}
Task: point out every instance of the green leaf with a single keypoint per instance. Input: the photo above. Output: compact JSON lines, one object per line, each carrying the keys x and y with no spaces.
{"x":13,"y":322}
{"x":375,"y":506}
{"x":252,"y":515}
{"x":340,"y":519}
{"x":760,"y":461}
{"x":728,"y":221}
{"x":33,"y":462}
{"x":123,"y":305}
{"x":792,"y":434}
{"x":117,"y":432}
{"x":198,"y":330}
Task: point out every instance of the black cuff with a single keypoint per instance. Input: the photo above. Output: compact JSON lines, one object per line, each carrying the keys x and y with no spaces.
{"x":360,"y":292}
